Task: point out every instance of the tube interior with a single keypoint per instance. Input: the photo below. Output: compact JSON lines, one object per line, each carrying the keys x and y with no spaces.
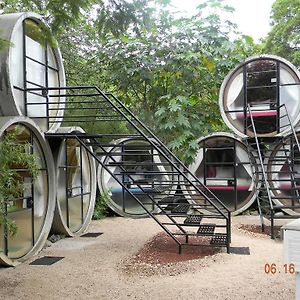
{"x":284,"y":176}
{"x":30,"y":209}
{"x":141,"y":155}
{"x":265,"y":84}
{"x":74,"y":184}
{"x":222,"y":164}
{"x":42,"y":70}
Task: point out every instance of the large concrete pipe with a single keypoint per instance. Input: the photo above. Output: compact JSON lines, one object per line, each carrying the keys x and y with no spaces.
{"x":30,"y":61}
{"x":265,"y":82}
{"x":33,"y":211}
{"x":139,"y":156}
{"x":76,"y":184}
{"x":283,"y":168}
{"x":222,"y":164}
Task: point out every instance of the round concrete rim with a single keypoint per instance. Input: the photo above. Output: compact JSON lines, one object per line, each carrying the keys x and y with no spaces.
{"x":272,"y":153}
{"x":64,"y":228}
{"x":229,"y":76}
{"x":101,"y":184}
{"x":39,"y":19}
{"x":6,"y":122}
{"x":238,"y":139}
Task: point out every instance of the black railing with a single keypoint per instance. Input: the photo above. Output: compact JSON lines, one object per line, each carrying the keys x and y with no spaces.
{"x":87,"y":105}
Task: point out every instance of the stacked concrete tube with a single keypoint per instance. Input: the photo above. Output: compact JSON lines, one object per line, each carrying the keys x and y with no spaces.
{"x":118,"y":199}
{"x":76,"y":184}
{"x":264,"y":70}
{"x":32,"y":61}
{"x":265,"y":82}
{"x":222,"y":164}
{"x":32,"y":213}
{"x":285,"y":181}
{"x":44,"y":68}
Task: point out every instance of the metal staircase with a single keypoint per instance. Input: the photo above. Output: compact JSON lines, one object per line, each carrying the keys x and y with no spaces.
{"x":274,"y":170}
{"x":178,"y":211}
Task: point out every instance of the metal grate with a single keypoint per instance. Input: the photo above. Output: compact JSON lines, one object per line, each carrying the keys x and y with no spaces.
{"x":181,"y":208}
{"x":46,"y":260}
{"x":92,"y":234}
{"x":219,"y":239}
{"x":193,"y":219}
{"x":206,"y":229}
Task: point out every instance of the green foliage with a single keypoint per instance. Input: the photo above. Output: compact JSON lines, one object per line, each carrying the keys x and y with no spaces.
{"x":13,"y":156}
{"x":284,"y":37}
{"x":58,"y":13}
{"x":166,"y":69}
{"x":115,"y":18}
{"x":101,"y":206}
{"x":170,"y":77}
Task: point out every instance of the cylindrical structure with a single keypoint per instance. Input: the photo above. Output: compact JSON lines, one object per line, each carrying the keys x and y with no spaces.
{"x":31,"y":60}
{"x":33,"y":211}
{"x":265,"y":83}
{"x":222,"y":164}
{"x":139,"y":156}
{"x":76,"y":183}
{"x":283,"y":168}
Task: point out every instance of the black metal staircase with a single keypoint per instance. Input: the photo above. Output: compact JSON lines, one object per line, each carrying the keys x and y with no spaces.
{"x":179,"y":212}
{"x":273,"y":170}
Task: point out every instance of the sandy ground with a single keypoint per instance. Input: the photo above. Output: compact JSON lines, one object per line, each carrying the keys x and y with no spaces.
{"x":97,"y":268}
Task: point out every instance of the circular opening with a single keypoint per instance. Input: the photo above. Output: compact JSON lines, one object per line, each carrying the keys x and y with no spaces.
{"x":145,"y":170}
{"x":283,"y":175}
{"x":76,"y":186}
{"x":222,"y":164}
{"x":264,"y":83}
{"x":34,"y":63}
{"x":29,"y":210}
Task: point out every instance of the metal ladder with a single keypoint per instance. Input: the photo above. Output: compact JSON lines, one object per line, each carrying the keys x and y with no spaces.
{"x":259,"y":147}
{"x":180,"y":212}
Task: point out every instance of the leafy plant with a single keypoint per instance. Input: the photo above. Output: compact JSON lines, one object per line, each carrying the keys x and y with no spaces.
{"x":101,"y":205}
{"x":14,"y":156}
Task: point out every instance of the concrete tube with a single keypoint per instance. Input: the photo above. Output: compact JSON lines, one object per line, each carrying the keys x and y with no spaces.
{"x":33,"y":211}
{"x":222,"y":164}
{"x":118,"y":199}
{"x":76,"y":184}
{"x":30,"y":61}
{"x":265,"y":82}
{"x":282,"y":175}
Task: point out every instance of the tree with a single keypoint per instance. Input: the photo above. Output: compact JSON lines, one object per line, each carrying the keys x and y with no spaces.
{"x":58,"y":13}
{"x":13,"y":156}
{"x":165,"y":68}
{"x":284,"y":37}
{"x":171,"y":76}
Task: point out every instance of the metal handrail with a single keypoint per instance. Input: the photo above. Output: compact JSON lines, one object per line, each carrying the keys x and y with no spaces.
{"x":260,"y":157}
{"x":158,"y":148}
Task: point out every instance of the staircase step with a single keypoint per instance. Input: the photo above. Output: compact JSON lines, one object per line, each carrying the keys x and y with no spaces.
{"x":297,"y":206}
{"x":286,"y":197}
{"x":206,"y":229}
{"x":219,"y":239}
{"x":193,"y":219}
{"x":181,"y":208}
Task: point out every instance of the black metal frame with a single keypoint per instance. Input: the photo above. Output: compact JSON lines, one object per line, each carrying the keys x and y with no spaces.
{"x":261,"y":153}
{"x":69,"y":190}
{"x":107,"y":108}
{"x":246,"y":117}
{"x":29,"y":199}
{"x":44,"y":92}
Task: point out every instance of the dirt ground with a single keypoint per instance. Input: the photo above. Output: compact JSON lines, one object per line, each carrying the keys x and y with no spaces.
{"x":110,"y":267}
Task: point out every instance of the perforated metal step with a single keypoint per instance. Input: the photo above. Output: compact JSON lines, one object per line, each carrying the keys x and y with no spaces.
{"x":193,"y":219}
{"x":181,"y":208}
{"x":206,"y":229}
{"x":219,"y":239}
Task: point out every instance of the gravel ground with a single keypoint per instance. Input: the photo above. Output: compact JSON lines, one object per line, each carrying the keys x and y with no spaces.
{"x":116,"y":265}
